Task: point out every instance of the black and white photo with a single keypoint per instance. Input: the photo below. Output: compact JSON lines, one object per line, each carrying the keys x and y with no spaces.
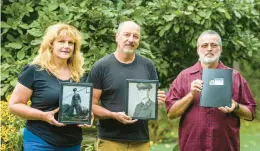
{"x":75,"y":103}
{"x":142,"y":99}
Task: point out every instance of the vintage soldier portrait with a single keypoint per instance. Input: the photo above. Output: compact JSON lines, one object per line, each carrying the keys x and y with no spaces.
{"x":75,"y":103}
{"x":142,"y":99}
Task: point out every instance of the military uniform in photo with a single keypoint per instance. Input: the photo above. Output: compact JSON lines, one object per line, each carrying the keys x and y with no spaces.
{"x":145,"y":109}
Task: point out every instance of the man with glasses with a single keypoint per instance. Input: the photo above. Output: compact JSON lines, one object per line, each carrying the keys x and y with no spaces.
{"x":203,"y":128}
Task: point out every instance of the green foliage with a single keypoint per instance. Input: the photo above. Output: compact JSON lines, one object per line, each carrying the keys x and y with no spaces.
{"x":174,"y":26}
{"x":252,"y":74}
{"x":88,"y":147}
{"x":169,"y":30}
{"x":163,"y":130}
{"x":11,"y":129}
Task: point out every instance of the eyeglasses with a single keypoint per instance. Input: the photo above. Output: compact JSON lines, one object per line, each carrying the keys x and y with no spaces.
{"x":212,"y":45}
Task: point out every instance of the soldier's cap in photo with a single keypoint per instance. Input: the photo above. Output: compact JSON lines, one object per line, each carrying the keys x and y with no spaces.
{"x":141,"y":86}
{"x":75,"y":89}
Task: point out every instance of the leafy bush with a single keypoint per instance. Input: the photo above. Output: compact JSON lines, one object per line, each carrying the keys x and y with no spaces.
{"x":169,"y":30}
{"x":252,"y":74}
{"x":11,"y":129}
{"x":163,"y":130}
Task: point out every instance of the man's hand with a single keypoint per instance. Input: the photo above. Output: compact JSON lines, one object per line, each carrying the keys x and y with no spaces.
{"x":86,"y":125}
{"x":123,"y":118}
{"x":161,"y":97}
{"x":196,"y":87}
{"x":227,"y":109}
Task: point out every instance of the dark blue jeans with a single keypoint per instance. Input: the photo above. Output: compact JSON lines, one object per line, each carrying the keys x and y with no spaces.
{"x":32,"y":142}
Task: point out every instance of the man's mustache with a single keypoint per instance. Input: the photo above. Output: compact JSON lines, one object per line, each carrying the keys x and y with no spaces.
{"x":132,"y":44}
{"x":209,"y":54}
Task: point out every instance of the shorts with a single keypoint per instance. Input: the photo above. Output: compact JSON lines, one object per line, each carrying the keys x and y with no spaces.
{"x":31,"y":142}
{"x":108,"y":145}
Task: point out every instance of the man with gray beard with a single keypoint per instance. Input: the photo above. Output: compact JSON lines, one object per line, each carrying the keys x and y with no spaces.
{"x":201,"y":128}
{"x":116,"y":130}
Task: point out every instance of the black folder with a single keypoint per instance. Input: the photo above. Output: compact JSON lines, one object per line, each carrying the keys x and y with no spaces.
{"x":217,"y":88}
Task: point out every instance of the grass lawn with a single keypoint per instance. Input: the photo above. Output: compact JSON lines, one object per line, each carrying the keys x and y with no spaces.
{"x":249,"y":137}
{"x":163,"y":147}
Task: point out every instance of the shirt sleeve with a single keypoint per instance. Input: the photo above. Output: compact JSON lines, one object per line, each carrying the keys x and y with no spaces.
{"x":175,"y":93}
{"x":26,"y":77}
{"x":95,"y":76}
{"x":246,"y":97}
{"x":153,"y":72}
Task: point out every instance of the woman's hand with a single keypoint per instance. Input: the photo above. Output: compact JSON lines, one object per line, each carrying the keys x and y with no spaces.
{"x":49,"y":117}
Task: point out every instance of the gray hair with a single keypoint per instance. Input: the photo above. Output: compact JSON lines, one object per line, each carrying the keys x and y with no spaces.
{"x":209,"y":32}
{"x":125,"y":22}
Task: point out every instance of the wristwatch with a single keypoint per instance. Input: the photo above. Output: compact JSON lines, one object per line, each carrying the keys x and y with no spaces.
{"x":236,"y":108}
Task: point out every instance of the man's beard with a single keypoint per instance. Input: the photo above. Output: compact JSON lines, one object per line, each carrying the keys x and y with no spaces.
{"x":128,"y":51}
{"x":129,"y":48}
{"x":208,"y":60}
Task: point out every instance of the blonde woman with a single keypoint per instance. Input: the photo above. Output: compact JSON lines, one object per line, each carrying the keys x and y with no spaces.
{"x":58,"y":60}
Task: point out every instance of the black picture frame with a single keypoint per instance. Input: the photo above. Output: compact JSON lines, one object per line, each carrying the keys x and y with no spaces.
{"x":75,"y":103}
{"x":146,"y":109}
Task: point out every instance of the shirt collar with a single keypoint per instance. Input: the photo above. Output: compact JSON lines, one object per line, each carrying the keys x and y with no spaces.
{"x":198,"y":68}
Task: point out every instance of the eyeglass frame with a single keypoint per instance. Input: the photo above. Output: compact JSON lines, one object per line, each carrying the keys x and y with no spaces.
{"x":206,"y":45}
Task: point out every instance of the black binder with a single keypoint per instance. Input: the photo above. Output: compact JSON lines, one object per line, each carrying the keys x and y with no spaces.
{"x":217,"y":88}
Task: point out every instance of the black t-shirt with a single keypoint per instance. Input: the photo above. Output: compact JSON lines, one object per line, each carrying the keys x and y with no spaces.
{"x":45,"y":97}
{"x":109,"y":75}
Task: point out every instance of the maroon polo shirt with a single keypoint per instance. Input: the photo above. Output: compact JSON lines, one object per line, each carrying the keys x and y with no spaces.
{"x":209,"y":129}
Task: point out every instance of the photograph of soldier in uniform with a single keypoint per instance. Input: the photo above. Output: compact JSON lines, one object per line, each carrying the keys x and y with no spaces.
{"x":75,"y":105}
{"x":146,"y":107}
{"x":142,"y":100}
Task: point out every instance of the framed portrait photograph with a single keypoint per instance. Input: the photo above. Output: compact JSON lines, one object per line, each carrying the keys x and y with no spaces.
{"x":75,"y":103}
{"x":142,"y":99}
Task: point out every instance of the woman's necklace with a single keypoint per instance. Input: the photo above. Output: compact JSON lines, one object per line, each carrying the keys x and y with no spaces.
{"x":69,"y":80}
{"x":59,"y":80}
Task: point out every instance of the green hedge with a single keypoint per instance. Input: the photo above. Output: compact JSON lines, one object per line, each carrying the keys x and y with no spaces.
{"x":169,"y":30}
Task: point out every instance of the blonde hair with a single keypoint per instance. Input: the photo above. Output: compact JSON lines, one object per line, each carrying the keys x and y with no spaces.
{"x":45,"y":58}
